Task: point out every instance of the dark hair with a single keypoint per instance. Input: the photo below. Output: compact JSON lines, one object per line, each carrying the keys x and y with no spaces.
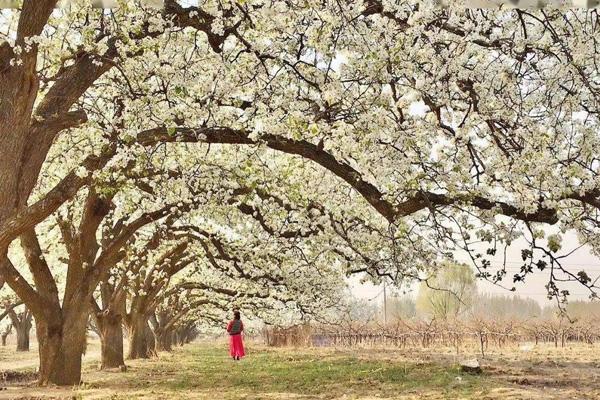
{"x":236,"y":314}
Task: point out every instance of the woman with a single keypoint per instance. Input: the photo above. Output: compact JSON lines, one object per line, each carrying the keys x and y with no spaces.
{"x":235,"y":329}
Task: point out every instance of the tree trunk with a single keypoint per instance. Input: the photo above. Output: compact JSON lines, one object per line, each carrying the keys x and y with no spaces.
{"x":170,"y":339}
{"x":23,"y":330}
{"x":111,"y":337}
{"x":49,"y":342}
{"x":22,"y":324}
{"x":150,"y":340}
{"x":61,"y":345}
{"x":186,"y":335}
{"x":164,"y":340}
{"x":5,"y":334}
{"x":141,"y":338}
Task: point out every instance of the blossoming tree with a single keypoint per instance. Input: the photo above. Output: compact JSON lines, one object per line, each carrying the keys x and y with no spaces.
{"x":450,"y":125}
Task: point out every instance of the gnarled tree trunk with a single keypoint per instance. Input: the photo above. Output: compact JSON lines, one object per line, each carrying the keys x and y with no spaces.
{"x":23,"y":336}
{"x":141,"y":338}
{"x":111,"y":337}
{"x":22,"y":324}
{"x":62,"y":342}
{"x":164,"y":340}
{"x":163,"y":335}
{"x":185,"y":335}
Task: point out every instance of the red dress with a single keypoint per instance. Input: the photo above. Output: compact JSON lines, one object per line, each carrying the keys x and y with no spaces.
{"x":236,"y":346}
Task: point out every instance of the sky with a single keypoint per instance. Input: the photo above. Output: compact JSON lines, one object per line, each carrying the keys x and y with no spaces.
{"x":533,"y":287}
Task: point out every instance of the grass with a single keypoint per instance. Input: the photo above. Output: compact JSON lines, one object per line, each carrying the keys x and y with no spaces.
{"x":204,"y":371}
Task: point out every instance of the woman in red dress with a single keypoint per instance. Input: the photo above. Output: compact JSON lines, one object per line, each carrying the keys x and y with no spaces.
{"x":235,"y":329}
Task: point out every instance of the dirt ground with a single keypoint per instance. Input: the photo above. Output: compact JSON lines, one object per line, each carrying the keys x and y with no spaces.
{"x":525,"y":371}
{"x":203,"y":371}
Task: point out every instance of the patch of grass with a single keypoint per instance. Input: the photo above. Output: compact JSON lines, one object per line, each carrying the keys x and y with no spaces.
{"x":304,"y":373}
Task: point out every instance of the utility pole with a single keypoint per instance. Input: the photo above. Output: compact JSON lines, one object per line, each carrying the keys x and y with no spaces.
{"x":384,"y":305}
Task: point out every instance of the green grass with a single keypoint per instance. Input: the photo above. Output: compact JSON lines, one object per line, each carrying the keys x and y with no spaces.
{"x":205,"y":370}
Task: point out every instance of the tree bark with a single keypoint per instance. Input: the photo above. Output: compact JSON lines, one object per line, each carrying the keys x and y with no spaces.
{"x":18,"y":92}
{"x":5,"y":334}
{"x":23,"y":336}
{"x":62,"y":342}
{"x":141,"y":338}
{"x":111,"y":337}
{"x":185,"y":335}
{"x":164,"y":340}
{"x":150,"y":340}
{"x":22,"y":324}
{"x":49,"y":340}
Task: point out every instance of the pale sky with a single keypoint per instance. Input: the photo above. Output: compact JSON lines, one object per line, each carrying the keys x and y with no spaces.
{"x":533,"y":288}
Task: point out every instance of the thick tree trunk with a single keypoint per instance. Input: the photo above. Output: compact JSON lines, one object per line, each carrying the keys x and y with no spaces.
{"x":150,"y":340}
{"x":49,"y":343}
{"x":61,"y":345}
{"x":164,"y":340}
{"x":22,"y":324}
{"x":189,"y":334}
{"x":170,"y":340}
{"x":12,"y":144}
{"x":111,"y":337}
{"x":185,"y":335}
{"x":181,"y":336}
{"x":18,"y":92}
{"x":23,"y":330}
{"x":141,"y":338}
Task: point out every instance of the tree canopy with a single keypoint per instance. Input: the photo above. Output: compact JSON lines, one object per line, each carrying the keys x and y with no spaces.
{"x":257,"y":151}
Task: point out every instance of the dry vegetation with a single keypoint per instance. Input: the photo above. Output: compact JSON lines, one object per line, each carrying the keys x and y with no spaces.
{"x":483,"y":333}
{"x":203,"y":371}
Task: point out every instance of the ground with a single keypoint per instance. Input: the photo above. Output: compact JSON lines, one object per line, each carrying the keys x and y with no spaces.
{"x":202,"y":370}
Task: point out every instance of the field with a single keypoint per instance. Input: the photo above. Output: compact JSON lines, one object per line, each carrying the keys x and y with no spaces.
{"x":202,"y":370}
